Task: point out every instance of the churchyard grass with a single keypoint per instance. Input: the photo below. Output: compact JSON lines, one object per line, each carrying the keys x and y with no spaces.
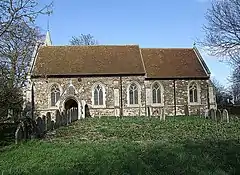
{"x":131,"y":145}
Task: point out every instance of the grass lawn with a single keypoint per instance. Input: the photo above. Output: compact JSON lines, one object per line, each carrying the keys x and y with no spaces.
{"x":180,"y":145}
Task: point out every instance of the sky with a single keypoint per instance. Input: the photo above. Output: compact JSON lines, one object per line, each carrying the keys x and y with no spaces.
{"x":148,"y":23}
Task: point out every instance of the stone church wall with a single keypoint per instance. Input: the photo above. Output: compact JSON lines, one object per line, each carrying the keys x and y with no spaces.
{"x":181,"y":97}
{"x":83,"y":94}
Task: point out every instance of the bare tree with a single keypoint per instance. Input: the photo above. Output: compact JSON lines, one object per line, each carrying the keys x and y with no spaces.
{"x":83,"y":40}
{"x":17,"y":48}
{"x":235,"y":87}
{"x":13,"y":11}
{"x":223,"y":96}
{"x":223,"y":30}
{"x":18,"y":37}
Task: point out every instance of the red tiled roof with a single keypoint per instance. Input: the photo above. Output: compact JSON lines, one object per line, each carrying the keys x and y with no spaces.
{"x":172,"y":63}
{"x":119,"y":60}
{"x":84,"y":60}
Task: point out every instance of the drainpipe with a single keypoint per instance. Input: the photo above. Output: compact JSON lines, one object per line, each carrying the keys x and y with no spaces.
{"x":32,"y":96}
{"x":174,"y":97}
{"x":121,"y":99}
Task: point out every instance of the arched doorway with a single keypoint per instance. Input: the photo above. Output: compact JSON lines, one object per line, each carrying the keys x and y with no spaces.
{"x":71,"y":106}
{"x":70,"y":103}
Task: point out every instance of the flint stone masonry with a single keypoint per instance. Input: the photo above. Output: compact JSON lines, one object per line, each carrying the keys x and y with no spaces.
{"x":82,"y":92}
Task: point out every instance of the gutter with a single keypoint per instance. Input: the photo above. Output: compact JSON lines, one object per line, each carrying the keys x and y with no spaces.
{"x":178,"y":78}
{"x":87,"y":75}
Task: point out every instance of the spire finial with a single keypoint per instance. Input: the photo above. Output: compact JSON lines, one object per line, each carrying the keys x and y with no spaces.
{"x":48,"y":24}
{"x":48,"y":41}
{"x":48,"y":13}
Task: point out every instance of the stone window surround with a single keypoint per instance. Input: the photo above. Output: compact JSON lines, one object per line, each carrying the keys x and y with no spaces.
{"x":198,"y":93}
{"x":104,"y":95}
{"x":49,"y":95}
{"x":162,"y":96}
{"x":139,"y":94}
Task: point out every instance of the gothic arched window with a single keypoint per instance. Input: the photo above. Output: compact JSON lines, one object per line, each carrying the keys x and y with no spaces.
{"x":156,"y":93}
{"x":55,"y":95}
{"x":193,"y":93}
{"x":133,"y":94}
{"x":98,"y":95}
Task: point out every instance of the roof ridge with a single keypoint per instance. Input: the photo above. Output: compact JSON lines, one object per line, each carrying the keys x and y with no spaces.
{"x":122,"y":45}
{"x":168,"y":48}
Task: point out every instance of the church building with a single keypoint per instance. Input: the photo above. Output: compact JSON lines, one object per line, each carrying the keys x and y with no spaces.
{"x":119,"y":80}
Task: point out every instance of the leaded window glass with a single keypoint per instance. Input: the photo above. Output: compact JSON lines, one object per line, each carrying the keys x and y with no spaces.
{"x":193,"y":93}
{"x":156,"y":93}
{"x":133,"y":94}
{"x":55,"y":95}
{"x":98,"y":95}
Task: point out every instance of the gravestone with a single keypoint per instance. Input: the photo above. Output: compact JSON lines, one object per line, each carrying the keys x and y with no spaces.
{"x":225,"y":116}
{"x":70,"y":115}
{"x":61,"y":119}
{"x":57,"y":118}
{"x":148,"y":111}
{"x":19,"y":134}
{"x":40,"y":128}
{"x":64,"y":121}
{"x":48,"y":123}
{"x":199,"y":112}
{"x":206,"y":112}
{"x":52,"y":125}
{"x":212,"y":114}
{"x":163,"y":116}
{"x":218,"y":115}
{"x":44,"y":123}
{"x":75,"y":114}
{"x":156,"y":113}
{"x":67,"y":116}
{"x":87,"y":111}
{"x":139,"y":111}
{"x":186,"y":110}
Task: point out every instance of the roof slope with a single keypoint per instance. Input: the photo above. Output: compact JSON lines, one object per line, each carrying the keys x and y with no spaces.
{"x":88,"y":60}
{"x":172,"y":63}
{"x":120,"y":60}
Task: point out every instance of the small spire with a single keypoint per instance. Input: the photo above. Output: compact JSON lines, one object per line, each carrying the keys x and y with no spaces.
{"x":48,"y":41}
